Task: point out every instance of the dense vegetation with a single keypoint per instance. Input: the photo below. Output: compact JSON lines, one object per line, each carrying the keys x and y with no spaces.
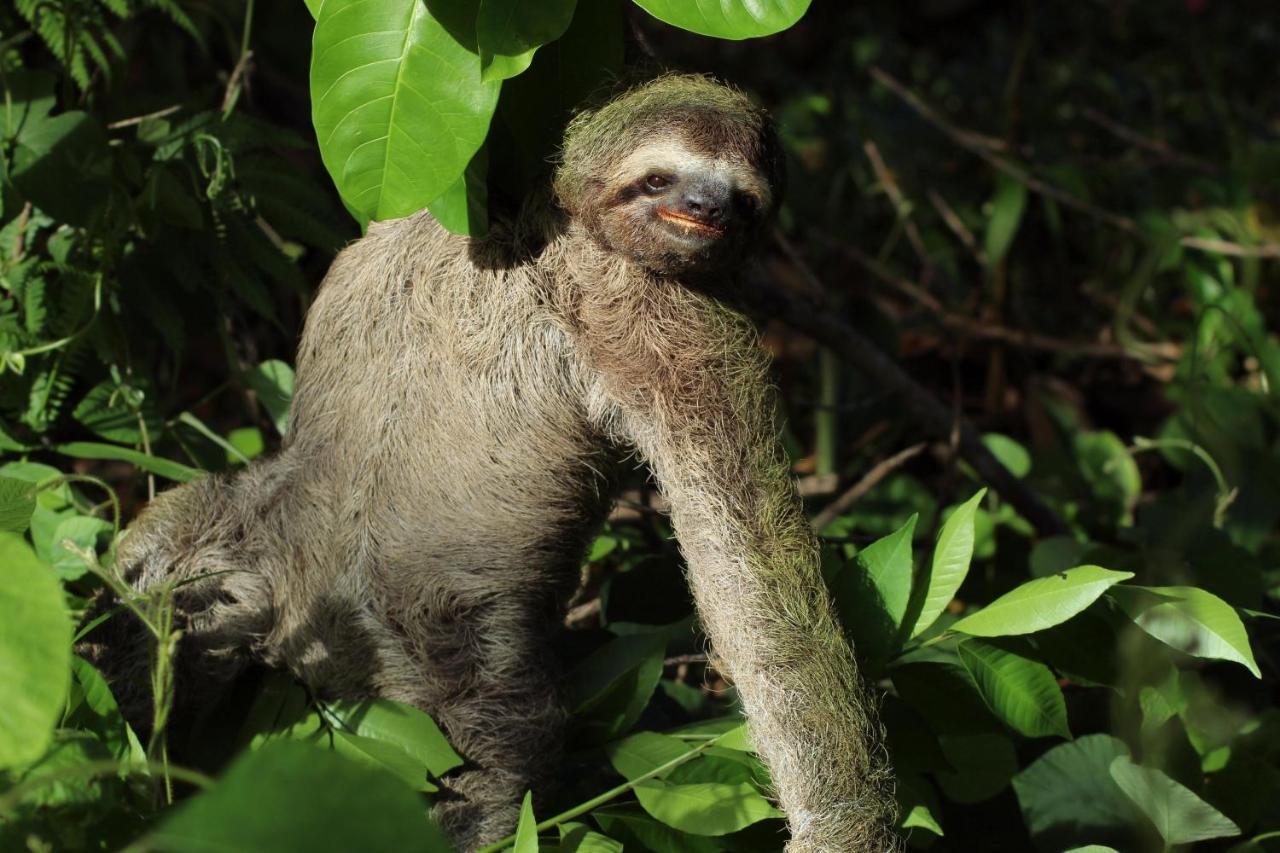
{"x":1062,"y":220}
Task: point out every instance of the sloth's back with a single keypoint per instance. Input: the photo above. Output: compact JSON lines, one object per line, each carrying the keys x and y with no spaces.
{"x":438,"y":413}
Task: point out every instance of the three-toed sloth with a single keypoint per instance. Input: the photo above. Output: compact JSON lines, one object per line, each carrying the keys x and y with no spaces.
{"x":462,"y":408}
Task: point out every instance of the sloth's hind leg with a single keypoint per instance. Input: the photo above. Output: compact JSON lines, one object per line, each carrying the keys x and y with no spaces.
{"x":489,"y":680}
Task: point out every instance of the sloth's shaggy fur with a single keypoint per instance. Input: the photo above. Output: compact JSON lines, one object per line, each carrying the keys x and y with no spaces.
{"x":460,"y":413}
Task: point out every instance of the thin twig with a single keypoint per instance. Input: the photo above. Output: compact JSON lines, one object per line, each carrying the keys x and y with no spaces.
{"x":900,"y":206}
{"x":957,"y":226}
{"x":858,"y":490}
{"x":130,"y":122}
{"x":1156,"y":146}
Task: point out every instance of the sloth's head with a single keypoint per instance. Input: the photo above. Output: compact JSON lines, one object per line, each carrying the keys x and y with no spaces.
{"x":680,"y":175}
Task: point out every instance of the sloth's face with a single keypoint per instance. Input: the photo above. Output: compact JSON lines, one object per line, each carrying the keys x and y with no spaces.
{"x":678,"y":210}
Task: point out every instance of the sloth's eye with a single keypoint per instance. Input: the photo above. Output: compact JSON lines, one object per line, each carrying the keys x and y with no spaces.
{"x":656,"y":182}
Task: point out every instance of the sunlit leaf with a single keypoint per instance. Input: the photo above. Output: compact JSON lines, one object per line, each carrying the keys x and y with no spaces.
{"x":398,"y":103}
{"x":527,"y":829}
{"x":728,"y":19}
{"x":705,"y":808}
{"x":17,"y":502}
{"x":1041,"y":603}
{"x":1190,"y":620}
{"x":950,"y":562}
{"x":35,"y":652}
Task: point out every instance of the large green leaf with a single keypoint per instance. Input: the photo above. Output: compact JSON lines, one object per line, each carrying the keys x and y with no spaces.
{"x":950,"y":562}
{"x":290,"y":797}
{"x":397,"y":101}
{"x":400,"y":725}
{"x":35,"y":652}
{"x":508,"y":32}
{"x":1041,"y":603}
{"x":1017,"y":688}
{"x":728,"y":19}
{"x":1190,"y":620}
{"x":644,"y":752}
{"x":705,"y":808}
{"x":1177,"y":814}
{"x":1068,"y":797}
{"x":17,"y":502}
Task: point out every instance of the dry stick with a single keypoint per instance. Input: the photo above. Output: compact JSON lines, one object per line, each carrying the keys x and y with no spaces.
{"x":984,"y":147}
{"x":1156,"y":146}
{"x":868,"y":482}
{"x":900,"y":207}
{"x":823,"y":325}
{"x":957,"y":226}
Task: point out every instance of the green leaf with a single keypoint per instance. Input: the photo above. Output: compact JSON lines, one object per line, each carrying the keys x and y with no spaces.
{"x":400,"y":725}
{"x":1109,"y":470}
{"x":508,"y":32}
{"x":83,"y":532}
{"x":273,"y":381}
{"x":1068,"y":795}
{"x":578,"y":838}
{"x":383,"y":755}
{"x":872,"y":593}
{"x":175,"y":471}
{"x":984,"y":763}
{"x":1010,"y":453}
{"x":705,"y":808}
{"x":527,"y":829}
{"x":950,"y":562}
{"x":313,"y":6}
{"x":644,"y":752}
{"x":1041,"y":603}
{"x":35,"y":652}
{"x":1007,"y":205}
{"x":397,"y":101}
{"x":1178,"y":815}
{"x":289,"y":796}
{"x":917,"y":804}
{"x":608,"y":690}
{"x":629,"y":823}
{"x":1189,"y":619}
{"x":1019,"y":690}
{"x":728,"y":19}
{"x":464,"y":207}
{"x":17,"y":502}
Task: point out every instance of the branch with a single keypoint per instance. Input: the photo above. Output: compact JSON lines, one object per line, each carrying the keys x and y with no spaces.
{"x":823,"y":325}
{"x":878,"y":472}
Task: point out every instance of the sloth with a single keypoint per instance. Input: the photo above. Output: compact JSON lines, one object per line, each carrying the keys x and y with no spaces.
{"x":462,"y":411}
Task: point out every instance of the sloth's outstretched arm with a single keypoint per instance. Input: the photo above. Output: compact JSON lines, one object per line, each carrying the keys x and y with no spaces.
{"x":684,"y":380}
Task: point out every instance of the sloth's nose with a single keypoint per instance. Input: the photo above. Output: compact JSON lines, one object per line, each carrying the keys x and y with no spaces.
{"x":706,"y":202}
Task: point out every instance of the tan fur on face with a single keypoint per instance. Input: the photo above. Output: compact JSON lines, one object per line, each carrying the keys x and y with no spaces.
{"x":461,"y":414}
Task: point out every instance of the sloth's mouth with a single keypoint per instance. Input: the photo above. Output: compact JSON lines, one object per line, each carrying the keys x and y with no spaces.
{"x":688,"y":222}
